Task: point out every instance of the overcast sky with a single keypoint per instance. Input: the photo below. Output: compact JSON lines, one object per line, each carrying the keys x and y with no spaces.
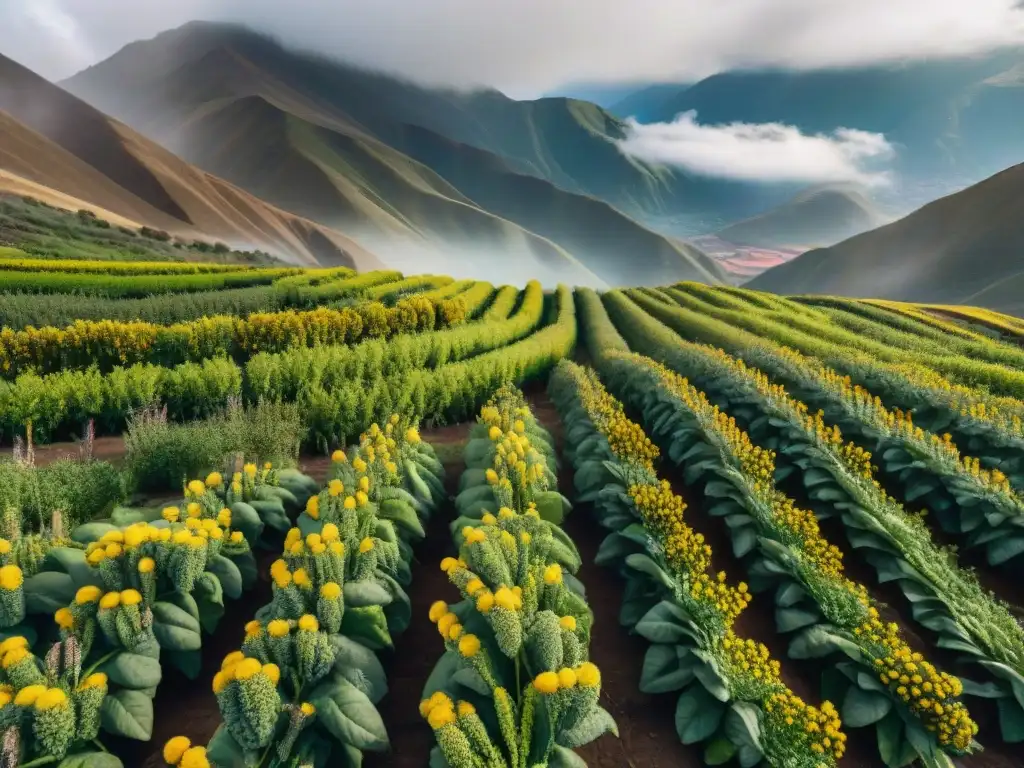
{"x":527,"y":47}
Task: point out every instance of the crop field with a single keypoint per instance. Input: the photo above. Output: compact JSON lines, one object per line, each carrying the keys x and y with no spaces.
{"x":399,"y":520}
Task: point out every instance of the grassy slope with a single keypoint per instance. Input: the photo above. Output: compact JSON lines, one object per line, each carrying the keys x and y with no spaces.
{"x":964,"y":248}
{"x":815,"y":218}
{"x":53,"y":140}
{"x":351,"y":148}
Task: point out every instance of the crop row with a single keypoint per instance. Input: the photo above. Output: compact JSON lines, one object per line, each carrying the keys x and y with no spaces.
{"x":137,"y":598}
{"x":128,"y":286}
{"x":731,"y":693}
{"x":105,"y":344}
{"x":131,"y":268}
{"x":782,"y":546}
{"x":990,"y":427}
{"x":515,"y":687}
{"x":810,"y":335}
{"x":304,"y":684}
{"x":839,"y":479}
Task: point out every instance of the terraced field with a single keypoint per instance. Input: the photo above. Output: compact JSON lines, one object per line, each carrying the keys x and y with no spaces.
{"x":407,"y":520}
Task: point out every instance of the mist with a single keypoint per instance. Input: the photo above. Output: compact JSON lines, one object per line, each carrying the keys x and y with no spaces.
{"x":527,"y":47}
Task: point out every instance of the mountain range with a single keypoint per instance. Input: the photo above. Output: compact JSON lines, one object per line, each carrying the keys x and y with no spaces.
{"x":961,"y":249}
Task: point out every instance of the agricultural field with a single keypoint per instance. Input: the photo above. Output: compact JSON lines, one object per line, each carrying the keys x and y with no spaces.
{"x":405,"y":520}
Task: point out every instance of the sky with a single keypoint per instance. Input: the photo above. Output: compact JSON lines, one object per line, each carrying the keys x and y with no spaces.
{"x":530,"y":47}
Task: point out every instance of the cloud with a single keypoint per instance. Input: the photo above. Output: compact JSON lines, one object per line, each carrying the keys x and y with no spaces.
{"x":766,"y":152}
{"x":529,"y":46}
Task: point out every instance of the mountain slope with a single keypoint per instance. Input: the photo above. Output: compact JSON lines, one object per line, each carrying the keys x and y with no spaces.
{"x":820,"y":216}
{"x":964,"y":248}
{"x":372,"y":154}
{"x":647,"y":105}
{"x":952,"y":120}
{"x":55,"y":146}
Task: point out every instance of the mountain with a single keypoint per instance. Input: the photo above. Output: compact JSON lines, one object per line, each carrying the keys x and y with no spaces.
{"x":960,"y":249}
{"x":647,"y":105}
{"x":602,"y":94}
{"x":57,"y":148}
{"x":952,"y":120}
{"x":819,"y":216}
{"x":389,"y":160}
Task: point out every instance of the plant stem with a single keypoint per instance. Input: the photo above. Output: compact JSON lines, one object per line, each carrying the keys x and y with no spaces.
{"x":92,"y":669}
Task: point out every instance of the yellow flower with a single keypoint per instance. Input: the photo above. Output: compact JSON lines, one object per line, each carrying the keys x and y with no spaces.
{"x":247,"y":669}
{"x":95,"y":680}
{"x":27,"y":696}
{"x":469,"y":645}
{"x":301,"y":578}
{"x":568,"y":623}
{"x":438,"y":609}
{"x":441,"y":716}
{"x":588,"y":675}
{"x":566,"y":678}
{"x":546,"y":682}
{"x":170,"y":514}
{"x":492,"y":477}
{"x":236,"y":537}
{"x":146,"y":565}
{"x":5,"y":547}
{"x":308,"y":623}
{"x":313,"y":507}
{"x":64,"y":618}
{"x":10,"y":577}
{"x":17,"y":641}
{"x":194,"y":757}
{"x":273,"y":672}
{"x":110,"y":600}
{"x":197,"y":488}
{"x":338,"y":456}
{"x":131,"y":597}
{"x":214,"y":480}
{"x":235,"y":656}
{"x":221,"y":680}
{"x":330,"y":591}
{"x":366,"y":545}
{"x":175,"y":748}
{"x":307,"y":709}
{"x":465,"y":709}
{"x":329,"y":533}
{"x":51,"y":698}
{"x":278,"y":628}
{"x":88,"y":594}
{"x":553,"y":574}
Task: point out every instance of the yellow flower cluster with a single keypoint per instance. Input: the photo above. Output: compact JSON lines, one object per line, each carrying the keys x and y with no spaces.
{"x":929,"y":693}
{"x":626,"y":438}
{"x":805,"y":727}
{"x":179,"y":751}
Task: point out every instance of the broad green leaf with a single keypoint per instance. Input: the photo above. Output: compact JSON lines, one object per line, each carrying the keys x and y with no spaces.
{"x":360,"y":594}
{"x":597,"y":723}
{"x":351,"y":717}
{"x":698,"y":715}
{"x":175,"y":629}
{"x":223,"y":751}
{"x":719,"y":752}
{"x":351,"y":657}
{"x":367,"y":625}
{"x":128,"y":713}
{"x":665,"y":623}
{"x":48,"y":591}
{"x":132,"y":670}
{"x":560,"y":758}
{"x":666,"y":668}
{"x":229,"y":575}
{"x":73,"y":563}
{"x":862,"y":707}
{"x":91,"y":760}
{"x":209,"y":597}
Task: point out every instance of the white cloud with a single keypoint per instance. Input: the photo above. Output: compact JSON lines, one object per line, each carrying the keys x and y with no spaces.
{"x":766,"y":152}
{"x":530,"y":46}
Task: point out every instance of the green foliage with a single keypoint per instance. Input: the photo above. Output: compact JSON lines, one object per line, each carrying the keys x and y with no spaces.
{"x":160,"y":455}
{"x":80,"y":490}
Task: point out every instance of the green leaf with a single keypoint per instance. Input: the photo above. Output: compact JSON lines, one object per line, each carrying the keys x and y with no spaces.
{"x":46,"y":592}
{"x":719,"y":752}
{"x":551,"y":506}
{"x":189,"y":663}
{"x":1011,"y":720}
{"x":666,"y":668}
{"x":352,"y":658}
{"x":1005,"y":549}
{"x":665,"y":623}
{"x":367,"y":625}
{"x":132,"y":670}
{"x":90,"y":532}
{"x":128,"y":713}
{"x":743,"y":728}
{"x":229,"y":575}
{"x":223,"y":751}
{"x":350,"y":717}
{"x":403,"y":516}
{"x":246,"y":564}
{"x":73,"y":563}
{"x":889,"y":733}
{"x":175,"y":629}
{"x":596,"y":723}
{"x":861,"y":708}
{"x":560,"y":758}
{"x":360,"y":594}
{"x":790,"y":619}
{"x":698,"y":715}
{"x":91,"y":760}
{"x":209,"y":597}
